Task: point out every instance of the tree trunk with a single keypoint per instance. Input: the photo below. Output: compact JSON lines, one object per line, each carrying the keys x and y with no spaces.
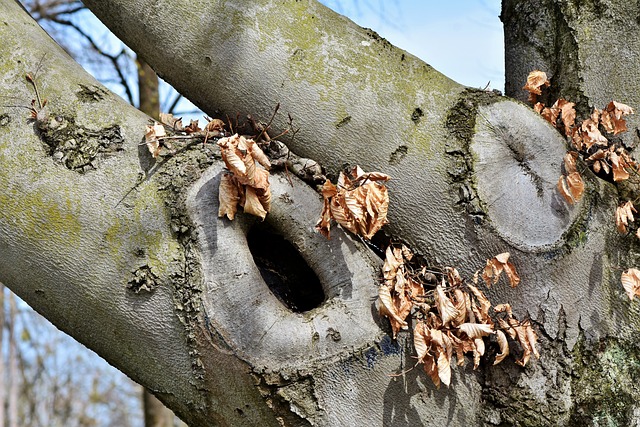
{"x":155,"y":413}
{"x":474,"y":175}
{"x":148,"y":90}
{"x":590,"y":52}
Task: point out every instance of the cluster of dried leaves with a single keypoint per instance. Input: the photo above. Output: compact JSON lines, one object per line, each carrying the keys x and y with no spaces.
{"x":358,"y":203}
{"x":589,"y":141}
{"x":587,"y":138}
{"x":159,"y":142}
{"x":246,"y":184}
{"x":449,"y":315}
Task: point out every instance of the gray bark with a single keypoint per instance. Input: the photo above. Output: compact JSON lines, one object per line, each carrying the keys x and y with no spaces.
{"x":590,"y":51}
{"x":211,"y":340}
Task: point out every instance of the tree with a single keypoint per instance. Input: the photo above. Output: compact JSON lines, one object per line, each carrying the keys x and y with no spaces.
{"x":474,"y":175}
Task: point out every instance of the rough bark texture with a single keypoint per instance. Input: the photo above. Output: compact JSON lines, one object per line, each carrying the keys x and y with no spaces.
{"x":211,"y":340}
{"x":590,"y":51}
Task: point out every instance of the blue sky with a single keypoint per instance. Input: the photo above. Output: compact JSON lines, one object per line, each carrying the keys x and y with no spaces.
{"x":460,"y":38}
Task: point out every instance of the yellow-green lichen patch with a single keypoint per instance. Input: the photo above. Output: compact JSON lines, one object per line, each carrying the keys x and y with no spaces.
{"x":605,"y":382}
{"x":140,"y":236}
{"x":40,"y":216}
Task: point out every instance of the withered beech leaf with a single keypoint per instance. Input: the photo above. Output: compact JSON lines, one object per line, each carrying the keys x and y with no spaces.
{"x":527,"y":339}
{"x":624,"y":215}
{"x":228,"y":196}
{"x":171,"y":121}
{"x":571,"y":187}
{"x":214,"y":125}
{"x":590,"y":133}
{"x":535,"y":80}
{"x":193,"y":127}
{"x":253,"y":188}
{"x":618,"y":166}
{"x":504,"y":347}
{"x":431,"y":369}
{"x":420,"y":340}
{"x":252,"y":204}
{"x":478,"y":351}
{"x":444,"y":368}
{"x":341,"y":215}
{"x":568,"y":114}
{"x":484,"y":303}
{"x":551,"y":114}
{"x":324,"y":223}
{"x":258,"y":154}
{"x":631,"y":282}
{"x":538,"y":107}
{"x":494,"y":268}
{"x":447,"y":310}
{"x":387,"y":308}
{"x":391,"y":264}
{"x":231,"y":158}
{"x":570,"y":159}
{"x":360,"y":204}
{"x":151,"y":139}
{"x":476,"y":330}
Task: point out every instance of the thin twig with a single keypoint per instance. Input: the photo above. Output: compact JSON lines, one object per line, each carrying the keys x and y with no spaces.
{"x":174,"y":104}
{"x":275,"y":111}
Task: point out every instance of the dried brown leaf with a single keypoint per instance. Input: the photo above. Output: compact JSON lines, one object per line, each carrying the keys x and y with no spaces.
{"x":446,"y":308}
{"x":152,"y":141}
{"x":444,"y":368}
{"x":329,"y":190}
{"x":568,"y":114}
{"x":258,"y":154}
{"x":431,"y":369}
{"x":478,"y":352}
{"x":387,"y":308}
{"x":193,"y":127}
{"x":391,"y":265}
{"x":324,"y":223}
{"x":551,"y":114}
{"x":535,"y":80}
{"x":570,"y":162}
{"x":618,"y":167}
{"x":231,"y":157}
{"x":624,"y":215}
{"x":341,"y":215}
{"x":571,"y":187}
{"x":590,"y":133}
{"x":252,"y":203}
{"x":361,"y":205}
{"x":504,"y":347}
{"x":171,"y":121}
{"x":631,"y":282}
{"x":484,"y":304}
{"x":215,"y":125}
{"x":494,"y":268}
{"x":420,"y":340}
{"x":228,"y":196}
{"x":476,"y":330}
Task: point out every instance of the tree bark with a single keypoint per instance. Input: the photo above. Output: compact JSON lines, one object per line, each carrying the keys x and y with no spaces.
{"x":210,"y":339}
{"x":155,"y":413}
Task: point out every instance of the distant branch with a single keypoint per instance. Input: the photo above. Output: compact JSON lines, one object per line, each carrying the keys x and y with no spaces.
{"x":112,"y":58}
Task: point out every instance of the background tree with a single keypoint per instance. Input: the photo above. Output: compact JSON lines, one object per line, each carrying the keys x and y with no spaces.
{"x":464,"y":164}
